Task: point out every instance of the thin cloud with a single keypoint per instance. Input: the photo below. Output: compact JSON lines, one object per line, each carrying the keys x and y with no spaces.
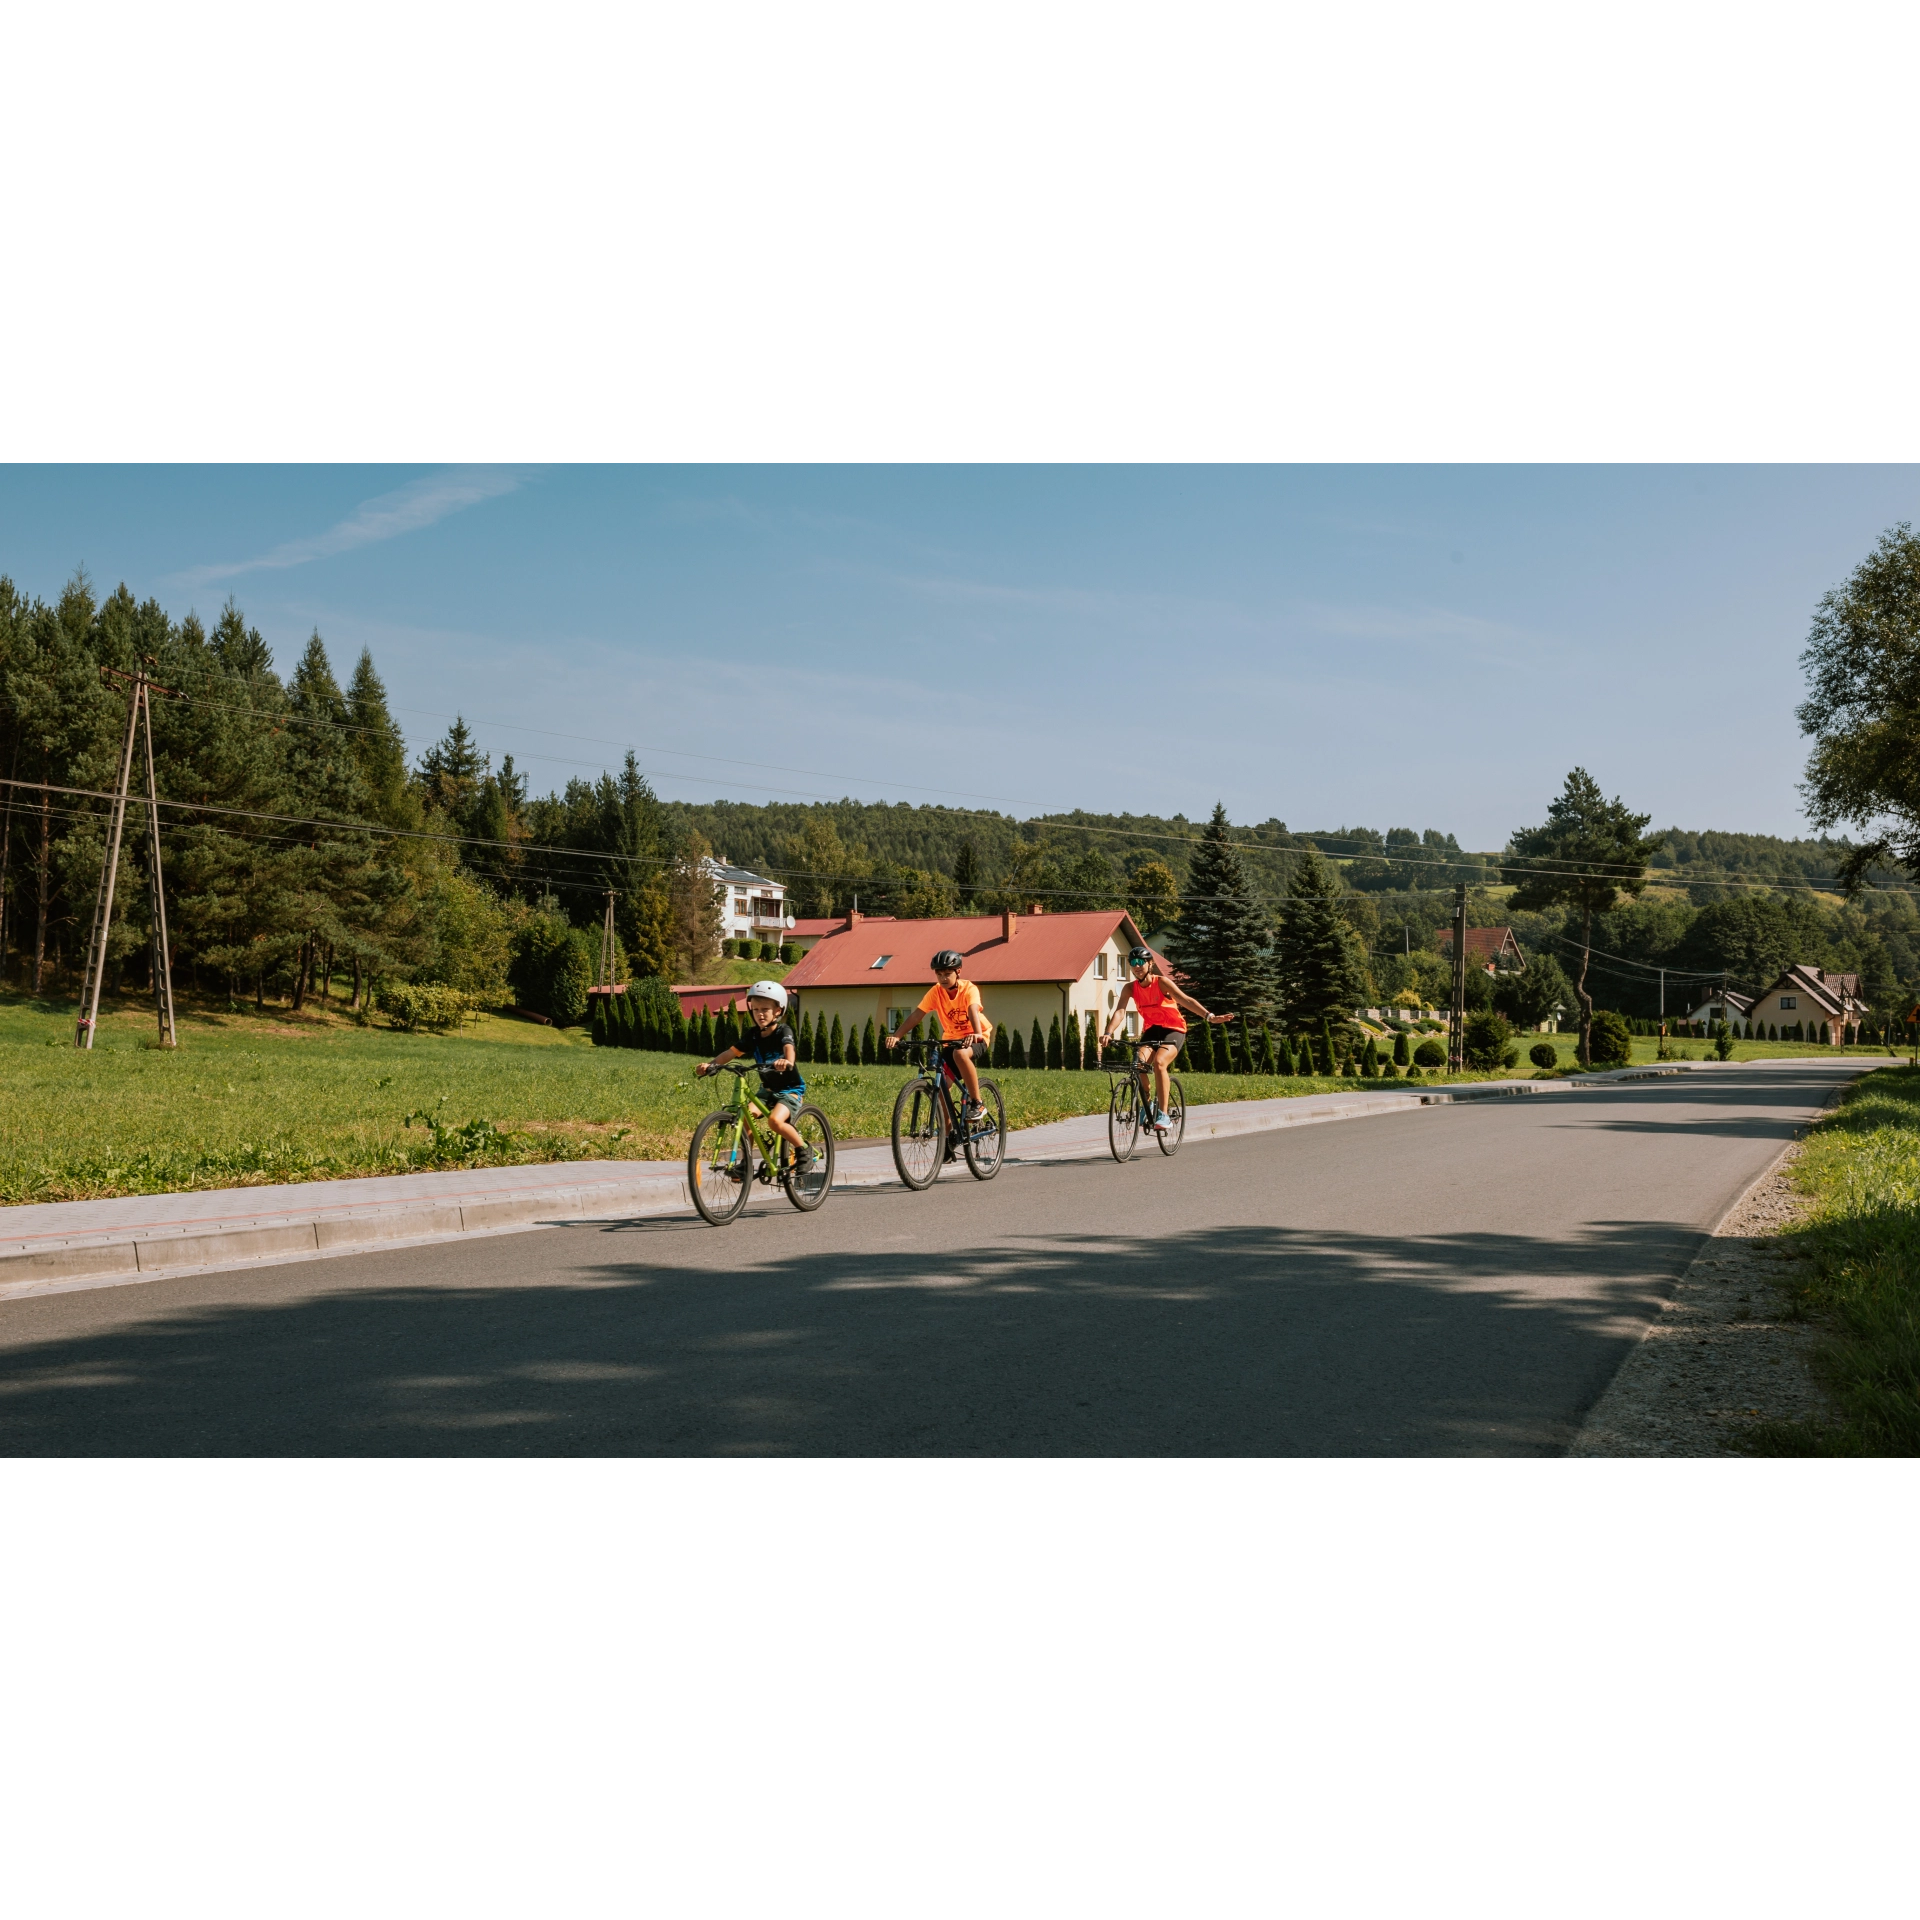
{"x":405,"y":510}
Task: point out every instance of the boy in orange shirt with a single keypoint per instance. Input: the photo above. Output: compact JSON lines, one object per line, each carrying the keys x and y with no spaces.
{"x":964,"y":1026}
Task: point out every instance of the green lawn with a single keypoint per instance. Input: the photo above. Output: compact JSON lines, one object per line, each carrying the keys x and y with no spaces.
{"x":1860,"y":1270}
{"x":274,"y":1096}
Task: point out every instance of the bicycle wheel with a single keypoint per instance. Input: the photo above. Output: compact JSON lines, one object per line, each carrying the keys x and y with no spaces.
{"x":807,"y":1190}
{"x":1169,"y":1142}
{"x":986,"y":1141}
{"x":1123,"y":1119}
{"x":720,"y":1167}
{"x":919,"y":1133}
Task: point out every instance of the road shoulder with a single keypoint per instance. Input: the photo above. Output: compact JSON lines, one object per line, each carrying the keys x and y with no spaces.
{"x":1724,"y":1356}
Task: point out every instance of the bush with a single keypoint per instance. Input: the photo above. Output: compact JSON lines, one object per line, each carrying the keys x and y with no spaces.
{"x":1002,"y":1055}
{"x":1612,"y":1043}
{"x":1090,"y":1050}
{"x":1400,"y":1053}
{"x":1487,"y":1039}
{"x":551,"y":969}
{"x":868,"y":1045}
{"x":1017,"y":1057}
{"x":836,"y":1045}
{"x":1200,"y":1048}
{"x":787,"y":956}
{"x":1055,"y":1053}
{"x":1511,"y":1058}
{"x":1269,"y":1058}
{"x":1544,"y":1056}
{"x":1370,"y":1060}
{"x":1429,"y":1053}
{"x":1723,"y":1044}
{"x":726,"y":949}
{"x":421,"y":1009}
{"x":1036,"y":1045}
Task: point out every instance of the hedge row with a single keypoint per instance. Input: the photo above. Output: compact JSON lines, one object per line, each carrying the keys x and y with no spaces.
{"x":777,"y":951}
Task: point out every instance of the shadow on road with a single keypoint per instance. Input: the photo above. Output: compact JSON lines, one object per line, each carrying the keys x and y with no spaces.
{"x":1253,"y":1340}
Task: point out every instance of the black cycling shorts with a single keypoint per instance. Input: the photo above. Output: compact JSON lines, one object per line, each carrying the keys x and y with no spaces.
{"x":954,"y":1047}
{"x":1174,"y":1037}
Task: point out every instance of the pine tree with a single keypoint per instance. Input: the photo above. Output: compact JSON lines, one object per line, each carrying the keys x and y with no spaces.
{"x":1072,"y":1043}
{"x":1269,"y":1058}
{"x":1055,"y":1049}
{"x":1221,"y":1040}
{"x":708,"y":1044}
{"x":1370,"y":1060}
{"x":1330,"y":1058}
{"x":1318,"y":969}
{"x":1037,"y":1046}
{"x":1090,"y":1045}
{"x":867,"y":1045}
{"x":1002,"y":1048}
{"x":1017,"y":1056}
{"x":967,"y":874}
{"x":803,"y":1041}
{"x":836,"y":1045}
{"x":1223,"y":935}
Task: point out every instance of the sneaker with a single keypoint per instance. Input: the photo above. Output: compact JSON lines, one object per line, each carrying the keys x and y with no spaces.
{"x":803,"y":1161}
{"x":1161,"y":1122}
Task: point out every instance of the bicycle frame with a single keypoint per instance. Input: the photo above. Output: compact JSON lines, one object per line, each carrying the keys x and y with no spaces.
{"x":769,"y":1145}
{"x":946,"y":1081}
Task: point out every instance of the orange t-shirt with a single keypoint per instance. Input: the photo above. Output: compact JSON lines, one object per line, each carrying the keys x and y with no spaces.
{"x":955,"y":1009}
{"x":1156,"y":1008}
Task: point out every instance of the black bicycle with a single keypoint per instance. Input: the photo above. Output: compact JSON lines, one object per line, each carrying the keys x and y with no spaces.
{"x":930,"y":1124}
{"x":720,"y":1157}
{"x":1131,"y":1103}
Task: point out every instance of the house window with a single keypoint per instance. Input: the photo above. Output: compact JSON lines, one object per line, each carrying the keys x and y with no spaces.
{"x":881,"y":962}
{"x":1788,"y":1003}
{"x":1099,"y":966}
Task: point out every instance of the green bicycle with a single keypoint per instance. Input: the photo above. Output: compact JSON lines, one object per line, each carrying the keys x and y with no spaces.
{"x":720,"y":1160}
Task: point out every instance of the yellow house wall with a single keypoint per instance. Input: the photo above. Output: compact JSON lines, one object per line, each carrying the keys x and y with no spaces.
{"x":1767,"y":1013}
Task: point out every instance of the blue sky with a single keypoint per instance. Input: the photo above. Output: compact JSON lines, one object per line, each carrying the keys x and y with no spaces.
{"x":1387,"y":646}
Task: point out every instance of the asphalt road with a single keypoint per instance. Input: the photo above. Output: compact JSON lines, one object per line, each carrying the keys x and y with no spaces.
{"x":1458,"y":1280}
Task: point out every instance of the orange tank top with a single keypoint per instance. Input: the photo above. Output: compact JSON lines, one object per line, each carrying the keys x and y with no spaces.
{"x":1155,"y":1006}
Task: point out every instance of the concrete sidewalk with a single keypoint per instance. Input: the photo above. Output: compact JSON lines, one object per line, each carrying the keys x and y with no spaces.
{"x":70,"y":1245}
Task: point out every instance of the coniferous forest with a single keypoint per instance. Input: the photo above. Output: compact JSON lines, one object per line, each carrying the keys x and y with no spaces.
{"x":307,"y":858}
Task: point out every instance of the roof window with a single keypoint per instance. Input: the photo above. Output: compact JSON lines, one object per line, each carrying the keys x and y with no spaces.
{"x":881,"y":962}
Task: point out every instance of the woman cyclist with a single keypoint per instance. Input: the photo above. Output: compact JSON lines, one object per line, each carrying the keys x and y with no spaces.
{"x":964,"y":1026}
{"x":1163,"y":1027}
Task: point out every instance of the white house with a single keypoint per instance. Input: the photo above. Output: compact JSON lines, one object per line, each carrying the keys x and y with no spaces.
{"x":752,"y":907}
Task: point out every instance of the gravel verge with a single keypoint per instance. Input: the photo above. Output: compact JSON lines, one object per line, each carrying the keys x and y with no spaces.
{"x":1722,"y":1357}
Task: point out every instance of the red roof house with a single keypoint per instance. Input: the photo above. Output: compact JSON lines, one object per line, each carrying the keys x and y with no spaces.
{"x":1027,"y":966}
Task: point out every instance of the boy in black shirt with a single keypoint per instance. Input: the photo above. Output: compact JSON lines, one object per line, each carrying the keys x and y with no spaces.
{"x":772,"y":1048}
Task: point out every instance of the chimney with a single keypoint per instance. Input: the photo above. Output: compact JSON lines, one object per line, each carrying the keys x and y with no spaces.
{"x":1008,"y":922}
{"x":853,"y":918}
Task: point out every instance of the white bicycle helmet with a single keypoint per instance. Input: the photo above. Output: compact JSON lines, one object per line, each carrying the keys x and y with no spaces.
{"x":769,"y":990}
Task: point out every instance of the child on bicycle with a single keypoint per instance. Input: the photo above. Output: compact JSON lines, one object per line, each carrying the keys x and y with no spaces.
{"x":1163,"y":1027}
{"x":772,"y":1048}
{"x":964,"y":1026}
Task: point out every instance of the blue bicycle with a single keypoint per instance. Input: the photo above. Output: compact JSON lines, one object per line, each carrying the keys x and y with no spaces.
{"x":930,"y":1124}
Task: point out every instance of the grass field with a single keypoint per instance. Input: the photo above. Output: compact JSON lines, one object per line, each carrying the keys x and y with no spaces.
{"x":266,"y":1097}
{"x":1861,"y":1271}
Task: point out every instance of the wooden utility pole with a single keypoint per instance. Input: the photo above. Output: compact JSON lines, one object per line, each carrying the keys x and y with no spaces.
{"x":139,"y":707}
{"x":605,"y":976}
{"x":1457,"y":1011}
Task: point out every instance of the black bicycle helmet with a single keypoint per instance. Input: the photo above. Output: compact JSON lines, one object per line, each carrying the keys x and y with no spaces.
{"x":1140,"y":957}
{"x":946,"y":958}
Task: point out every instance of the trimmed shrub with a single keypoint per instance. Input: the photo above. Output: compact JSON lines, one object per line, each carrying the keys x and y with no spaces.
{"x":1429,"y":1053}
{"x":786,"y":955}
{"x":1612,"y":1044}
{"x":677,"y":1030}
{"x":1246,"y":1056}
{"x":1018,"y":1054}
{"x":803,"y":1041}
{"x":599,"y":1018}
{"x":1773,"y":1032}
{"x":1002,"y":1055}
{"x":1370,"y":1060}
{"x":1349,"y":1069}
{"x":1488,"y":1037}
{"x":1511,"y":1058}
{"x":1723,"y":1044}
{"x":1055,"y":1052}
{"x":1269,"y":1059}
{"x":1090,"y":1047}
{"x":727,"y":949}
{"x":1199,"y":1049}
{"x":1329,"y":1055}
{"x":1389,"y":1072}
{"x":868,"y":1048}
{"x":1413,"y":1073}
{"x":1036,"y":1045}
{"x":836,"y":1045}
{"x":1544,"y":1056}
{"x":1401,"y":1053}
{"x":423,"y":1009}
